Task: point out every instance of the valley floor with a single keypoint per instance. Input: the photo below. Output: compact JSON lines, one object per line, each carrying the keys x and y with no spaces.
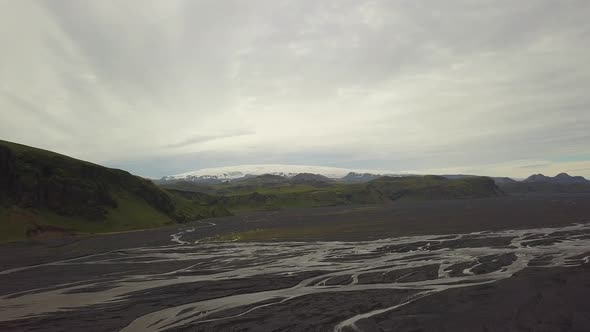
{"x":508,"y":263}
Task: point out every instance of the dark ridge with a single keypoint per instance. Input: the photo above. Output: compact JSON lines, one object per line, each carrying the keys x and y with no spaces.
{"x":36,"y":185}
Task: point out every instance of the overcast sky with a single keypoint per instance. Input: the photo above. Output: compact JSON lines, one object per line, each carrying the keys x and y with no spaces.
{"x":496,"y":87}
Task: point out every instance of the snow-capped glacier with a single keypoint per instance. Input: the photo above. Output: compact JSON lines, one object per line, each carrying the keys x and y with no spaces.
{"x":234,"y":172}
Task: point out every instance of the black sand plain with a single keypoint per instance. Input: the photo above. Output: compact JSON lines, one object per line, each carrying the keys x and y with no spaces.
{"x":514,"y":263}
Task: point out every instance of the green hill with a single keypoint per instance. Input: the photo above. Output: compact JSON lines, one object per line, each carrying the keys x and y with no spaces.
{"x":433,"y":187}
{"x":42,"y":192}
{"x":258,"y":194}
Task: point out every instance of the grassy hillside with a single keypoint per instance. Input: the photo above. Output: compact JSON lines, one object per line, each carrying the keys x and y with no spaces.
{"x":259,"y":194}
{"x":263,"y":184}
{"x":42,"y":192}
{"x":433,"y":187}
{"x":194,"y":206}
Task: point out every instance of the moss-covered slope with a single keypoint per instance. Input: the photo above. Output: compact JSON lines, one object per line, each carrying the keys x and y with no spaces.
{"x":44,"y":192}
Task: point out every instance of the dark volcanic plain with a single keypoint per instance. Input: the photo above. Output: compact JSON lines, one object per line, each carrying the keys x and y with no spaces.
{"x":514,"y":263}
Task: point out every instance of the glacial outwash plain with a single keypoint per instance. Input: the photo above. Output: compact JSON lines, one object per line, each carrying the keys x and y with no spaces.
{"x":294,"y":166}
{"x":287,"y":252}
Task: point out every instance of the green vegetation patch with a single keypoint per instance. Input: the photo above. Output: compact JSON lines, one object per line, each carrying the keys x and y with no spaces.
{"x":252,"y":194}
{"x":42,"y":192}
{"x":194,"y":206}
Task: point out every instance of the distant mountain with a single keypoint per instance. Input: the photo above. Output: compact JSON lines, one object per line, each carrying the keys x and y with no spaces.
{"x":498,"y":180}
{"x":44,"y":192}
{"x":203,"y":179}
{"x":354,"y":177}
{"x":434,"y":187}
{"x":538,"y":178}
{"x":539,"y":183}
{"x":250,"y":183}
{"x":311,"y":179}
{"x":503,"y":180}
{"x":256,"y":194}
{"x":224,"y":174}
{"x":457,"y":176}
{"x":561,"y":178}
{"x":264,"y":179}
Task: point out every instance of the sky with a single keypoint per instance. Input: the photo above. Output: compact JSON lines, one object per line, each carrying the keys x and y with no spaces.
{"x":490,"y":87}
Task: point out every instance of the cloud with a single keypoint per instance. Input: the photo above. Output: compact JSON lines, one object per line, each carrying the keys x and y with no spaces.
{"x":205,"y":138}
{"x":372,"y":84}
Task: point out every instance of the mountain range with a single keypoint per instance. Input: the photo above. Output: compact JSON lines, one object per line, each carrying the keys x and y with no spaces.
{"x":46,"y":195}
{"x":561,"y":178}
{"x":230,"y":173}
{"x":44,"y":192}
{"x":539,"y":183}
{"x":241,"y":172}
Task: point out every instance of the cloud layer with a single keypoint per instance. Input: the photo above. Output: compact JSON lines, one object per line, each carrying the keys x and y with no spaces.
{"x":162,"y":87}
